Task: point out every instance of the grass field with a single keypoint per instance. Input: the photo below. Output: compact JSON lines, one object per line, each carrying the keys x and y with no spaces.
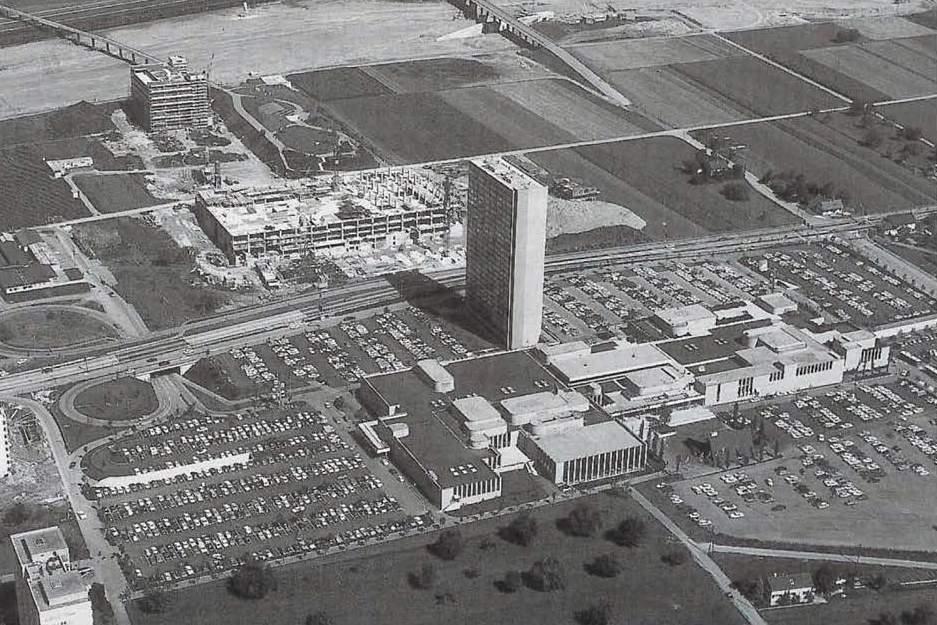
{"x":824,"y":154}
{"x":378,"y":581}
{"x":645,"y":176}
{"x":117,"y":192}
{"x":76,"y":434}
{"x":921,"y":114}
{"x":31,"y":197}
{"x":118,"y":400}
{"x":222,"y":375}
{"x":50,"y":328}
{"x":433,"y":74}
{"x":153,"y":273}
{"x":308,"y":140}
{"x":922,"y":259}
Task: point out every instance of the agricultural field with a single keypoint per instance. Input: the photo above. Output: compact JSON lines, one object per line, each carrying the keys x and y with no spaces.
{"x":77,"y":120}
{"x":827,"y":156}
{"x":698,"y":80}
{"x":378,"y":578}
{"x":117,"y":192}
{"x":879,"y":60}
{"x":919,"y":114}
{"x":646,"y":176}
{"x":448,"y":108}
{"x":31,"y":197}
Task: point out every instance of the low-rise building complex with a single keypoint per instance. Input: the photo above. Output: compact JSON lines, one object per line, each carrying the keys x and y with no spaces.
{"x":48,"y":590}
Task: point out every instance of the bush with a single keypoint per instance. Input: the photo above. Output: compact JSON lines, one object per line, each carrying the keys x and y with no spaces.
{"x":605,"y":565}
{"x":599,"y":614}
{"x":319,"y":618}
{"x":628,"y":533}
{"x":546,"y":575}
{"x":824,"y":579}
{"x":424,"y":579}
{"x":253,"y":580}
{"x":521,"y":531}
{"x":449,"y":545}
{"x":583,"y":520}
{"x":675,"y":557}
{"x":735,"y":191}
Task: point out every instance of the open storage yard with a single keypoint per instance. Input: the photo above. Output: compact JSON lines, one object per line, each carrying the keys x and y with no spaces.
{"x":826,"y":156}
{"x":378,"y":579}
{"x":645,"y":175}
{"x":858,"y":468}
{"x":296,"y":488}
{"x":890,"y":58}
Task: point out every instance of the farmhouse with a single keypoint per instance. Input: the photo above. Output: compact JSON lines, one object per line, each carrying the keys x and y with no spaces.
{"x":790,"y":589}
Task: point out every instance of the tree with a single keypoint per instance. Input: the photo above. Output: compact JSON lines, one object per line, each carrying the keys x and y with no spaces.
{"x":824,"y":579}
{"x":546,"y":575}
{"x":598,"y":614}
{"x":911,"y":133}
{"x":629,"y":532}
{"x":252,"y":580}
{"x":319,"y":618}
{"x":735,"y":191}
{"x":154,"y":601}
{"x":425,"y":578}
{"x":583,"y":520}
{"x":605,"y":565}
{"x":103,"y":611}
{"x":449,"y":545}
{"x":521,"y":531}
{"x":872,"y":138}
{"x":512,"y":582}
{"x":751,"y":589}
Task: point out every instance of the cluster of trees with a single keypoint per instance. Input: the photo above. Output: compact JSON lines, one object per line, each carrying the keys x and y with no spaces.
{"x":583,"y":520}
{"x":598,"y":614}
{"x":736,"y":192}
{"x":791,"y":186}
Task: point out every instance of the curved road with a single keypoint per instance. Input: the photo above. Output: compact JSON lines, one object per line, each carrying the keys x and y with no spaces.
{"x":163,"y":387}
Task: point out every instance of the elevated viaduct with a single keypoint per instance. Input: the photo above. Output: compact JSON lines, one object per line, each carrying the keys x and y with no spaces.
{"x":498,"y":19}
{"x":81,"y":37}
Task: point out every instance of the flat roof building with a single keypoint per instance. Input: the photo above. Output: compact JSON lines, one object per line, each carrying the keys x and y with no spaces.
{"x":48,"y":591}
{"x":168,"y":96}
{"x":331,"y":215}
{"x":592,"y":452}
{"x":505,"y":246}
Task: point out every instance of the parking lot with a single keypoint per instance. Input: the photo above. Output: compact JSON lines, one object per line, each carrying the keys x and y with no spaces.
{"x":859,"y":464}
{"x":845,"y":286}
{"x":613,"y":299}
{"x":304,"y":490}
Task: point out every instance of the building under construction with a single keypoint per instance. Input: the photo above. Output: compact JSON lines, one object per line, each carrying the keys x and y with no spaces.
{"x":330,"y":215}
{"x":169,"y":96}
